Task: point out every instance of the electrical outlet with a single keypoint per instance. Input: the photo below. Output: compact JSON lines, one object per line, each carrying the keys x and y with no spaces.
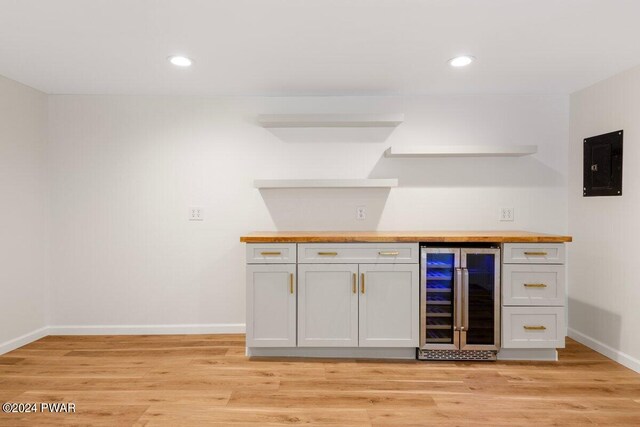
{"x":196,"y":213}
{"x":506,"y":214}
{"x":361,"y":213}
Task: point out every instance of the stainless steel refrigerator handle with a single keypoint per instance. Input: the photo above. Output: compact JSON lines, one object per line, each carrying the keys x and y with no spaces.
{"x":457,"y":279}
{"x":465,"y":294}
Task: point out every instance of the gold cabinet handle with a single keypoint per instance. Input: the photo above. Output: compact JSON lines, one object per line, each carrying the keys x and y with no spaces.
{"x":270,"y":253}
{"x":535,"y":328}
{"x":389,"y":253}
{"x":535,"y":285}
{"x":355,"y":287}
{"x":291,"y":283}
{"x":327,"y":253}
{"x":362,"y":283}
{"x":536,"y":253}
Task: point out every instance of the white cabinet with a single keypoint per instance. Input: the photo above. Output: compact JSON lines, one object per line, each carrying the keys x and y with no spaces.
{"x":533,"y":296}
{"x":365,"y":298}
{"x":328,"y":305}
{"x":271,"y":305}
{"x":389,"y":305}
{"x":320,"y":302}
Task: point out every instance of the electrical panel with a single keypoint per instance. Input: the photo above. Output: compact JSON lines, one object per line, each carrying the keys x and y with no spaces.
{"x":603,"y":165}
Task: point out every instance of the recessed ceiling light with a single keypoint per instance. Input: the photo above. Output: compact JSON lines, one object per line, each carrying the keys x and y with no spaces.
{"x":461,"y":61}
{"x":180,"y":61}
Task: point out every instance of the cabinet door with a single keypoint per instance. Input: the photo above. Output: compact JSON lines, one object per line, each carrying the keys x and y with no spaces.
{"x":389,"y":305}
{"x":271,"y":305}
{"x":328,"y":305}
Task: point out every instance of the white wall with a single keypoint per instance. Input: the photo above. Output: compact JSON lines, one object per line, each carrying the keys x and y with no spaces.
{"x":23,"y":214}
{"x":604,"y":292}
{"x":125,"y":169}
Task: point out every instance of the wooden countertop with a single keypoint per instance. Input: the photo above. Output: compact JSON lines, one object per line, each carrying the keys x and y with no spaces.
{"x":401,"y":236}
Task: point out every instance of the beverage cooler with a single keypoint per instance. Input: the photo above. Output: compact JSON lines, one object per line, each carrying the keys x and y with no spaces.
{"x":459,"y":303}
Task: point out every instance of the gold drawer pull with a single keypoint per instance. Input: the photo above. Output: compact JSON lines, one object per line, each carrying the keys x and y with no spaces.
{"x":291,"y":283}
{"x":535,"y":285}
{"x":355,"y":287}
{"x":536,"y":253}
{"x":270,"y":253}
{"x":362,"y":283}
{"x":328,"y":253}
{"x":535,"y":328}
{"x":389,"y":253}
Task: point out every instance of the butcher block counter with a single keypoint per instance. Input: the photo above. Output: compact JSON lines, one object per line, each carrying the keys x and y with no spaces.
{"x":401,"y":236}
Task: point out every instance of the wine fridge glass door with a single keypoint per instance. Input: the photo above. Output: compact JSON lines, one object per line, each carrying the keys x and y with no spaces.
{"x":440,"y":275}
{"x":480,"y":299}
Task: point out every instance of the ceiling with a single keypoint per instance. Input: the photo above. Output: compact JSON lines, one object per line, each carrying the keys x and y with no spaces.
{"x":316,"y":47}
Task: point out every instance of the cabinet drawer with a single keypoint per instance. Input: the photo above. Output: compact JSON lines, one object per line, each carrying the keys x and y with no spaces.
{"x":364,"y":253}
{"x":533,"y":327}
{"x":527,"y":284}
{"x":271,"y":253}
{"x":533,"y":253}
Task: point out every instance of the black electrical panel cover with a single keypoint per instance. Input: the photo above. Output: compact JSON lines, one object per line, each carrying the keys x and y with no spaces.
{"x":603,"y":165}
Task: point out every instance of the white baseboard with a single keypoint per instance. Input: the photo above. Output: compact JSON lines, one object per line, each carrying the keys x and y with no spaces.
{"x":617,"y":355}
{"x":211,"y":328}
{"x":25,"y":339}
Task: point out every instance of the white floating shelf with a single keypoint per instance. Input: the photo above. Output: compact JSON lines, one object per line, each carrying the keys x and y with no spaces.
{"x":325,"y":183}
{"x":329,"y":120}
{"x":462,"y":151}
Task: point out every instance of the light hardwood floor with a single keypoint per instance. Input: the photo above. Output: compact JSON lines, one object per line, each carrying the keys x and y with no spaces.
{"x":206,"y":379}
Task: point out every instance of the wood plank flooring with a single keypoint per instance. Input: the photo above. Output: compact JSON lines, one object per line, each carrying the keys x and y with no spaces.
{"x":192,"y":380}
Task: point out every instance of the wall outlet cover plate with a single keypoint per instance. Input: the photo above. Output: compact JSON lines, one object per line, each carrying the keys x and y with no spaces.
{"x":506,"y":214}
{"x":196,"y":213}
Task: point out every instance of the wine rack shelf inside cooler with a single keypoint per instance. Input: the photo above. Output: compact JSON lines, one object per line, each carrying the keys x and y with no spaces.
{"x":438,"y":286}
{"x":438,"y":336}
{"x":438,"y":323}
{"x":437,"y":311}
